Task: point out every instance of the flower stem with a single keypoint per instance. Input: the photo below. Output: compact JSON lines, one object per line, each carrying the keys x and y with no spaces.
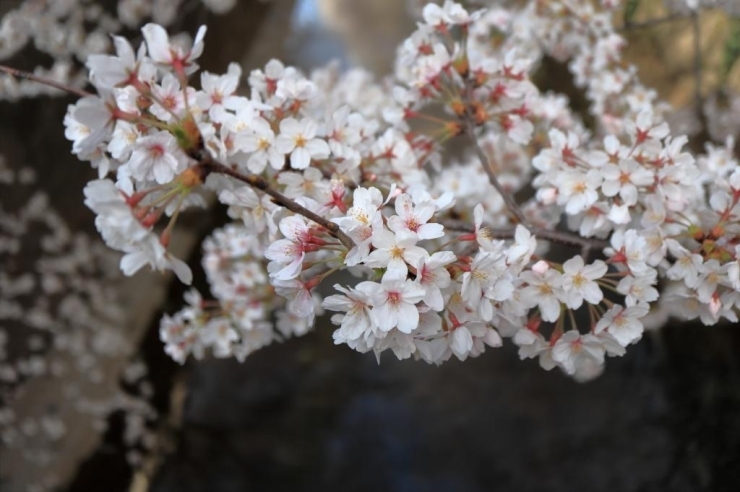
{"x":470,"y":130}
{"x":539,"y":232}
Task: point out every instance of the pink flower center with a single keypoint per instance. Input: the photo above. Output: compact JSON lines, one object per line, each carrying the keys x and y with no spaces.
{"x":169,"y":102}
{"x":412,"y":224}
{"x":156,"y":151}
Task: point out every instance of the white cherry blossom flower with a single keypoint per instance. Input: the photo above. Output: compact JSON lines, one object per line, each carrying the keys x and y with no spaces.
{"x":487,"y":272}
{"x":260,"y":144}
{"x":432,"y":276}
{"x":123,"y":140}
{"x":108,"y":71}
{"x":630,"y":249}
{"x":297,"y":138}
{"x":577,"y":190}
{"x":309,"y":183}
{"x":544,"y":290}
{"x":394,"y":304}
{"x":157,"y":157}
{"x":414,"y":219}
{"x":258,"y":214}
{"x":639,"y":289}
{"x":300,"y":299}
{"x":345,"y":131}
{"x":219,"y":334}
{"x":573,"y":350}
{"x":732,"y":270}
{"x":162,"y":52}
{"x":362,"y":219}
{"x":624,"y":180}
{"x":114,"y":219}
{"x":481,"y":234}
{"x":578,"y":282}
{"x":710,"y":277}
{"x":523,"y":247}
{"x":646,"y":128}
{"x":356,"y":303}
{"x":563,"y":150}
{"x":451,"y":13}
{"x":686,"y":266}
{"x":90,"y":122}
{"x":394,"y":251}
{"x":218,"y":90}
{"x":461,"y":342}
{"x":149,"y":251}
{"x":169,"y":100}
{"x":623,"y":322}
{"x":532,"y":344}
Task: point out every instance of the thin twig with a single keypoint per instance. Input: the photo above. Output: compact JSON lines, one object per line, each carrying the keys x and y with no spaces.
{"x":21,"y":74}
{"x":652,"y":22}
{"x":586,"y":244}
{"x":571,"y":239}
{"x":508,"y":199}
{"x":259,"y":183}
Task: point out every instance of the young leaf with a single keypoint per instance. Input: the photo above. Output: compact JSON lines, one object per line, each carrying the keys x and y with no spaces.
{"x":630,"y":9}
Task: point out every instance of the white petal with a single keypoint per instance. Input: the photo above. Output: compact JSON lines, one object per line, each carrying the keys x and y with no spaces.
{"x":300,"y":158}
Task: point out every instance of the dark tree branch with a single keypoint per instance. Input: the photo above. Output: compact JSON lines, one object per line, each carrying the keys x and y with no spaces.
{"x":508,"y":198}
{"x":567,"y":238}
{"x":631,"y":26}
{"x":259,"y":183}
{"x":20,"y":74}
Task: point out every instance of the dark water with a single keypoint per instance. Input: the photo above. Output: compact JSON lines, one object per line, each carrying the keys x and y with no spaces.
{"x":309,"y":416}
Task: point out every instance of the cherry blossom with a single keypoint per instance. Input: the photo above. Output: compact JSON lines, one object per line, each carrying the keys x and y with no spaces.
{"x":356,"y":303}
{"x":297,"y":139}
{"x":162,"y":52}
{"x":394,"y":304}
{"x":394,"y":251}
{"x":157,"y":158}
{"x":432,"y":276}
{"x":623,"y":323}
{"x":545,"y":290}
{"x":573,"y":350}
{"x":413,"y":219}
{"x":578,"y":282}
{"x":260,"y":144}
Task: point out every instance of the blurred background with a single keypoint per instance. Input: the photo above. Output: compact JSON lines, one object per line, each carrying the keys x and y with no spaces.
{"x":90,"y":402}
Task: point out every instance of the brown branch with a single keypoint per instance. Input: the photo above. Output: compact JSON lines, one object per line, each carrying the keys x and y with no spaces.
{"x":630,"y":26}
{"x":586,"y":244}
{"x":259,"y":183}
{"x":567,"y":238}
{"x":20,"y":74}
{"x":508,"y":199}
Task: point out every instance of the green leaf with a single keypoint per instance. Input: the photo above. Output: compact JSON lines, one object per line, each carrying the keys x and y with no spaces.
{"x":732,"y":48}
{"x":630,"y":9}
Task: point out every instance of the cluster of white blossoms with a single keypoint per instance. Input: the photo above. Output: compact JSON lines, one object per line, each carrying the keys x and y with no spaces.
{"x":337,"y":172}
{"x":69,"y":31}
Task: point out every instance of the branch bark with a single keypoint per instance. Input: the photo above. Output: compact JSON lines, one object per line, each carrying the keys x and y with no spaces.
{"x":20,"y":74}
{"x":258,"y":182}
{"x":508,"y":199}
{"x":586,"y":244}
{"x":539,"y":232}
